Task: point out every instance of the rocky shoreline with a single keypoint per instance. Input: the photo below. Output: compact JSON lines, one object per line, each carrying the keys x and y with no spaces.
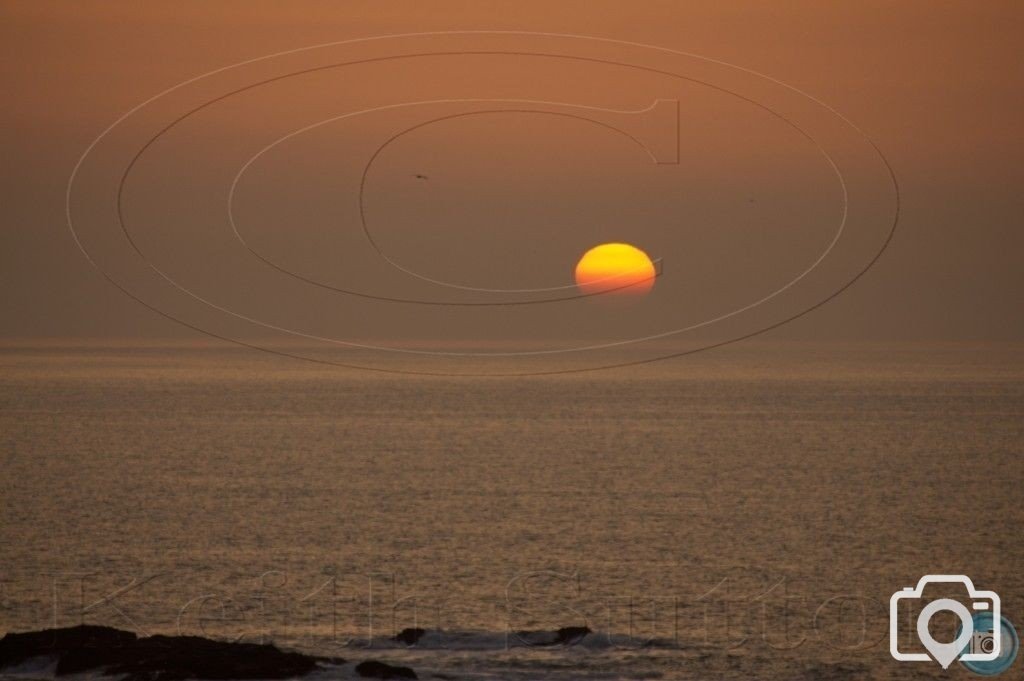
{"x":88,"y":648}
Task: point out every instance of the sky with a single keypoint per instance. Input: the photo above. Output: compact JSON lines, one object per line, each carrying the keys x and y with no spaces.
{"x":508,"y":198}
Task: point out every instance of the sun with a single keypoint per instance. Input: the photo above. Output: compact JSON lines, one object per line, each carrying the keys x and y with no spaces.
{"x":615,"y":269}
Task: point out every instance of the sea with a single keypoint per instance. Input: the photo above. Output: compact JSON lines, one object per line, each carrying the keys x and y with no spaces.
{"x":742,"y":513}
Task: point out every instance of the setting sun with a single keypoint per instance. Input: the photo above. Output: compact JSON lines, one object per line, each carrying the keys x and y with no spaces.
{"x":615,"y":268}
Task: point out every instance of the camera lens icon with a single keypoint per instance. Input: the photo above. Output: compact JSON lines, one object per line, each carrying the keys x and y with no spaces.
{"x":985,"y":641}
{"x":982,"y":643}
{"x":965,"y":646}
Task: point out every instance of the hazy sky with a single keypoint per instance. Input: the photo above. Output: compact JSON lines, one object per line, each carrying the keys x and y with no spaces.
{"x":511,"y":199}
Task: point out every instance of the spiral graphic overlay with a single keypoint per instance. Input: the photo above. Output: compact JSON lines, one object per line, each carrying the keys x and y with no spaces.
{"x":158,"y":235}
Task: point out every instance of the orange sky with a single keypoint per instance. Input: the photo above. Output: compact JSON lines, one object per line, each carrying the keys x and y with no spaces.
{"x":514,"y":200}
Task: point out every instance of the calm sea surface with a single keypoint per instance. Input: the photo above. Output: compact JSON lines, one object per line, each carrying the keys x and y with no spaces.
{"x":740,"y":514}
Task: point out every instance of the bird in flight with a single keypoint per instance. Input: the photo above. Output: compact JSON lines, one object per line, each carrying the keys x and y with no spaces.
{"x":421,"y":177}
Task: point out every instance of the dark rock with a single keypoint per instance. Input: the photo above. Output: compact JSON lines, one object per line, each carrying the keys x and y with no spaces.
{"x":381,"y":670}
{"x":570,"y":635}
{"x":565,"y":636}
{"x":16,"y":648}
{"x":410,"y":636}
{"x":154,"y":658}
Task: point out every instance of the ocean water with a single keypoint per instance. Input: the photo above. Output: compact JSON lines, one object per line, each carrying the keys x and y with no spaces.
{"x":744,"y":513}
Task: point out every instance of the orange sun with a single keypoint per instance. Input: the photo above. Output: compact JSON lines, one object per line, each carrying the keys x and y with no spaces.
{"x":618,"y":269}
